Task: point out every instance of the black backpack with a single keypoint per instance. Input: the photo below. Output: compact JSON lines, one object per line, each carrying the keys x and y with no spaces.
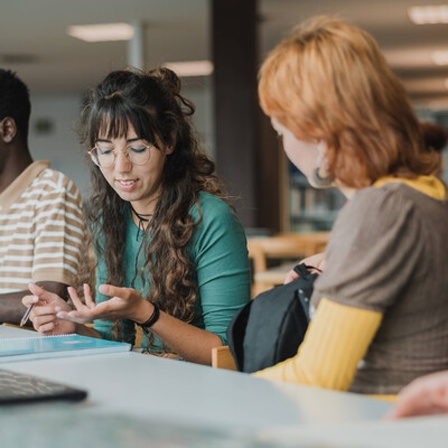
{"x":270,"y":328}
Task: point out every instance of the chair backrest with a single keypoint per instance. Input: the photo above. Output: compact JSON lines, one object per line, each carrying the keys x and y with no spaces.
{"x":286,"y":245}
{"x":282,"y":247}
{"x":222,"y":358}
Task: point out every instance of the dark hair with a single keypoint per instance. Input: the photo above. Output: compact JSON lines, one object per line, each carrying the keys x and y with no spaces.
{"x":151,"y":102}
{"x":15,"y":101}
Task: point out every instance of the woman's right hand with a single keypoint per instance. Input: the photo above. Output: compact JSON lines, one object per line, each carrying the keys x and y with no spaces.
{"x":43,"y":316}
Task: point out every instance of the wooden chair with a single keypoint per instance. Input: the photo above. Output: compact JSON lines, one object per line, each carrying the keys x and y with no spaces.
{"x":222,"y":358}
{"x":283,"y":247}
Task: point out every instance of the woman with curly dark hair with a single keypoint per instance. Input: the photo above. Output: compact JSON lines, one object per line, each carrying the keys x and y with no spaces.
{"x":171,"y":254}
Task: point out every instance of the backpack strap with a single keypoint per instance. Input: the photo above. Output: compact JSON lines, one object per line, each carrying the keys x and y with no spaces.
{"x":304,"y":269}
{"x":236,"y":331}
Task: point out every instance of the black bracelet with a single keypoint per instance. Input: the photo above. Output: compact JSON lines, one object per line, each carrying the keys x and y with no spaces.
{"x":152,"y":319}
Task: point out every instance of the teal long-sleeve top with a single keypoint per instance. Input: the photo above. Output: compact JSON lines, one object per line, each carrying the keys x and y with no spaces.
{"x":218,"y":249}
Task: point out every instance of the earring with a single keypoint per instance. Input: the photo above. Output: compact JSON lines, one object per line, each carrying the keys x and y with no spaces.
{"x":318,"y":180}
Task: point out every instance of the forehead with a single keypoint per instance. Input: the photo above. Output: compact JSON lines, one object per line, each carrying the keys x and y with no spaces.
{"x":118,"y":129}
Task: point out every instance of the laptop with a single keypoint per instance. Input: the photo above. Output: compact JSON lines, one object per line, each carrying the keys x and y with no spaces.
{"x":18,"y":388}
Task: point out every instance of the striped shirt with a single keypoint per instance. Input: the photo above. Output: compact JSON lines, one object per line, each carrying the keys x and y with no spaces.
{"x":42,"y":229}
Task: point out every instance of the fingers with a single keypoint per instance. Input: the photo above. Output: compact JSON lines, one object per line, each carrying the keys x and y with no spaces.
{"x":46,"y":328}
{"x":29,"y":300}
{"x":121,"y":302}
{"x":100,"y":311}
{"x":88,"y":296}
{"x":426,"y":395}
{"x":290,"y":276}
{"x":71,"y":317}
{"x":77,"y":302}
{"x":56,"y":326}
{"x":115,"y":291}
{"x":43,"y":319}
{"x":43,"y":295}
{"x":35,"y":289}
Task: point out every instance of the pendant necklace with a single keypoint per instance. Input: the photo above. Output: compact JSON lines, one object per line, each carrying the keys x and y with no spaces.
{"x":142,"y":219}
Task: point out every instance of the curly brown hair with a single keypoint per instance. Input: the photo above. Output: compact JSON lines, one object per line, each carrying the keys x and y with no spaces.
{"x":151,"y":103}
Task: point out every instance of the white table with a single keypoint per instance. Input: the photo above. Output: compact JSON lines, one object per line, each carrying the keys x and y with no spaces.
{"x":163,"y":391}
{"x":421,"y":432}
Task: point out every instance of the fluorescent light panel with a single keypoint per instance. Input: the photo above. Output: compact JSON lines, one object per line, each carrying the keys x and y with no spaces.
{"x":191,"y":68}
{"x":440,"y":57}
{"x":424,"y":15}
{"x":104,"y":32}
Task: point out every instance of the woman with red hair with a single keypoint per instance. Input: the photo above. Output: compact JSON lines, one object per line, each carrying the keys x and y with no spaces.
{"x":379,"y":308}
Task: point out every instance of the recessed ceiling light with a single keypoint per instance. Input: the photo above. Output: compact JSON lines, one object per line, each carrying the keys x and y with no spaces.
{"x":191,"y":68}
{"x":102,"y":32}
{"x":423,"y":15}
{"x":440,"y":57}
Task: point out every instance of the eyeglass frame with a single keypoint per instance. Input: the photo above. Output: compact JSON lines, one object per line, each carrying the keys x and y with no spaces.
{"x":96,"y":161}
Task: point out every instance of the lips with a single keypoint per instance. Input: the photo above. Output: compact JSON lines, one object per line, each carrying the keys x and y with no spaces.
{"x":126,"y":184}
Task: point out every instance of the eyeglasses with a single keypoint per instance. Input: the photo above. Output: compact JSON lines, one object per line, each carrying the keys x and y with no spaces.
{"x":105,"y":157}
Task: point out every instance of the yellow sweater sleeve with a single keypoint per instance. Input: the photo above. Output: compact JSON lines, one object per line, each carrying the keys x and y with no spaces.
{"x":336,"y":340}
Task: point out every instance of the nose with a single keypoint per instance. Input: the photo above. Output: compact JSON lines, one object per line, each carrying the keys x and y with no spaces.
{"x":122,"y":162}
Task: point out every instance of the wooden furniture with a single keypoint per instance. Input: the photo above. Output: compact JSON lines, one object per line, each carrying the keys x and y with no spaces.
{"x":286,"y":249}
{"x":269,"y":278}
{"x":222,"y":358}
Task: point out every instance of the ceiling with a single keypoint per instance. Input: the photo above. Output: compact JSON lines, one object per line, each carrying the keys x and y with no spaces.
{"x":34,"y":42}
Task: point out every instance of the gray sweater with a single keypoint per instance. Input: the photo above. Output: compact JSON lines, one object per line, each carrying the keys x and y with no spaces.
{"x":389,"y":253}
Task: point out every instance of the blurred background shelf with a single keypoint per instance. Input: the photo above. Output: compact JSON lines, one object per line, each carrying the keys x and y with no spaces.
{"x":310,"y":209}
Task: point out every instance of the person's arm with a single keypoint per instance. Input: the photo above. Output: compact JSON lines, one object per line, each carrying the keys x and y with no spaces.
{"x":190,"y":342}
{"x":337,"y":339}
{"x":220,"y":255}
{"x":12,"y":308}
{"x":55,"y":246}
{"x":427,"y":395}
{"x":60,"y":240}
{"x":47,"y":305}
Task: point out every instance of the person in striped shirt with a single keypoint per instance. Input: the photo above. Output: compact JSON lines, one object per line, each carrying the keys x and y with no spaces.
{"x":42,"y":225}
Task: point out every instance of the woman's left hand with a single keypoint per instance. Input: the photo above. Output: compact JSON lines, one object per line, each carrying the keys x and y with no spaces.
{"x":124,"y":303}
{"x":317,"y":261}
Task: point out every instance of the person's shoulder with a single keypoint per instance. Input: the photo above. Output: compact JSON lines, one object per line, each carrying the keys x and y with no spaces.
{"x":56,"y":181}
{"x":211,"y":205}
{"x":210,"y":200}
{"x":214,"y":212}
{"x":388,"y":196}
{"x":374,"y":209}
{"x":217,"y":223}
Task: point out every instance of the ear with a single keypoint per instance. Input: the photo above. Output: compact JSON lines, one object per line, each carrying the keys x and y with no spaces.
{"x":8,"y":129}
{"x":321,"y":148}
{"x":169,"y":150}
